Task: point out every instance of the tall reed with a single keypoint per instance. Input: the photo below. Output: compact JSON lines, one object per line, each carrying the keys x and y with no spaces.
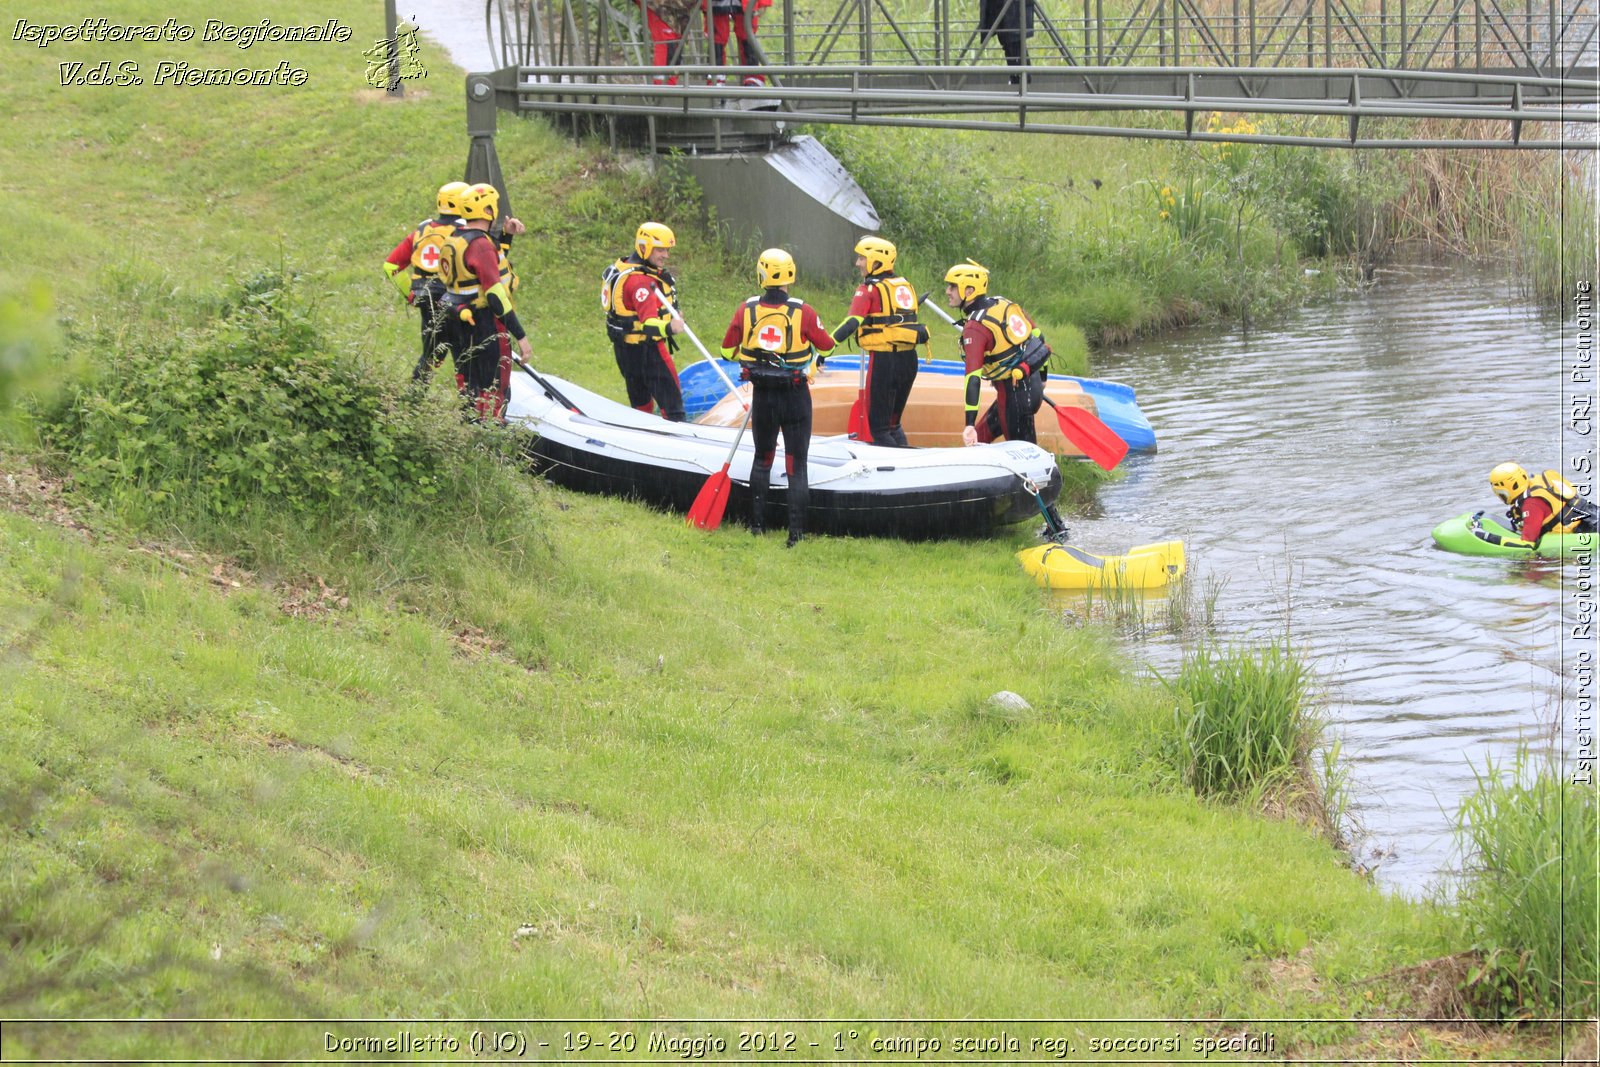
{"x":1555,"y":243}
{"x":1529,"y":896}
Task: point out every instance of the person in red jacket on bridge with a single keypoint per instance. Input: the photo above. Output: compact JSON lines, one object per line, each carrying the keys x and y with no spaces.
{"x":729,"y":15}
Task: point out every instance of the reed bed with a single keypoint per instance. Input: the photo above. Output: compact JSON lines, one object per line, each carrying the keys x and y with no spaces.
{"x":1247,"y":730}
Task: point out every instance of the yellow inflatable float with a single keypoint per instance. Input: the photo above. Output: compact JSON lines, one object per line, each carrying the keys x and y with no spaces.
{"x":1065,"y":567}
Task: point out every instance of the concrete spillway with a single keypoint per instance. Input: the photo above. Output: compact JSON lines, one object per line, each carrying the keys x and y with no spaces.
{"x":795,"y":196}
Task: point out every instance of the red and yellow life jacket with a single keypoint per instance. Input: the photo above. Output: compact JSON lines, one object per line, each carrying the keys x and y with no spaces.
{"x":1018,"y":347}
{"x":894,"y":327}
{"x":461,"y":284}
{"x":427,"y":250}
{"x":1567,"y":508}
{"x":774,"y":336}
{"x":622,"y":322}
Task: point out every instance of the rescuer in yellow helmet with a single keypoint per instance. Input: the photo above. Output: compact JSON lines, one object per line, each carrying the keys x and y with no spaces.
{"x":478,"y":298}
{"x":774,"y":338}
{"x":883,"y":318}
{"x":1538,"y":504}
{"x":1000,"y":345}
{"x":413,"y":266}
{"x":635,"y":292}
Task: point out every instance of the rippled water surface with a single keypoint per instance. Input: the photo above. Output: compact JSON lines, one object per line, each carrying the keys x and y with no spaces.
{"x":1305,"y":464}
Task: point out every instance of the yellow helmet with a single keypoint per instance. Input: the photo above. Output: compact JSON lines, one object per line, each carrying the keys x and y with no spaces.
{"x":878,"y":253}
{"x":481,"y":201}
{"x":968,"y":274}
{"x":651,"y":236}
{"x":775,"y":267}
{"x":448,"y":194}
{"x":1509,"y":481}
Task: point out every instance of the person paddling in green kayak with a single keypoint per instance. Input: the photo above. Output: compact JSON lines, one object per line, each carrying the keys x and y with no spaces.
{"x":1538,"y":505}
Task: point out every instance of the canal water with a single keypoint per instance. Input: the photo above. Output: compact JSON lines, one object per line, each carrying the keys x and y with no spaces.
{"x":1304,"y":465}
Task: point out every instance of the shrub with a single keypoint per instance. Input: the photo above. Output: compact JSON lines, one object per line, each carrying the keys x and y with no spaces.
{"x":1530,"y":843}
{"x":247,"y":408}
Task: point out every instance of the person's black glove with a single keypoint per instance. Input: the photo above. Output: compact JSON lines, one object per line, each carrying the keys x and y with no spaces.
{"x":1496,"y":539}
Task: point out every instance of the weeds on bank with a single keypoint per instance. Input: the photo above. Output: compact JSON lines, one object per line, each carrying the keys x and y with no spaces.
{"x":950,"y":212}
{"x":1215,"y":230}
{"x":1528,"y":899}
{"x":1186,"y":607}
{"x":1080,"y":484}
{"x":1190,"y":606}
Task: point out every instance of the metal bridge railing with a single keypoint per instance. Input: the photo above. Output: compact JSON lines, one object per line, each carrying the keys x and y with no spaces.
{"x":1546,"y":38}
{"x":1333,"y":104}
{"x":1530,"y":68}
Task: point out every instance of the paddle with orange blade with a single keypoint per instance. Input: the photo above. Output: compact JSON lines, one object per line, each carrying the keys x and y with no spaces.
{"x":708,"y":507}
{"x":1083,"y":428}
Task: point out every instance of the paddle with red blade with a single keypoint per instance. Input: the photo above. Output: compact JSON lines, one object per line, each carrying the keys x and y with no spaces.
{"x":857,"y":425}
{"x":708,"y":507}
{"x":1083,"y":428}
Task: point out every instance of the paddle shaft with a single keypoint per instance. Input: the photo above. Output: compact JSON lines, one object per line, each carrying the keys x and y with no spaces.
{"x":939,"y":311}
{"x":716,"y":364}
{"x":736,"y":439}
{"x":551,"y":391}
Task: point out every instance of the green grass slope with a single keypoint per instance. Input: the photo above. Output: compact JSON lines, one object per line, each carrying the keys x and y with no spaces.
{"x":626,"y":769}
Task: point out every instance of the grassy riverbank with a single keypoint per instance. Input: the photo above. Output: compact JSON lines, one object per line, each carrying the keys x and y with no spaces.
{"x":496,"y":750}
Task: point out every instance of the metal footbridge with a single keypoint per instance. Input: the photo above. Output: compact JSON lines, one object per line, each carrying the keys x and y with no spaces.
{"x":1331,"y":73}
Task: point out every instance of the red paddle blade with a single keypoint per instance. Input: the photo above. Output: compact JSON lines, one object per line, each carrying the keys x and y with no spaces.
{"x":1098,"y":441}
{"x":712,"y":500}
{"x":859,"y":428}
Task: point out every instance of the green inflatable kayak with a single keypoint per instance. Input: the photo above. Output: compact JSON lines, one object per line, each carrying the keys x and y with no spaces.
{"x":1456,"y":535}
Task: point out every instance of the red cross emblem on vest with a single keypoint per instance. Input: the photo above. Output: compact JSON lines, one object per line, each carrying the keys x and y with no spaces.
{"x":429,"y":257}
{"x":770,"y":337}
